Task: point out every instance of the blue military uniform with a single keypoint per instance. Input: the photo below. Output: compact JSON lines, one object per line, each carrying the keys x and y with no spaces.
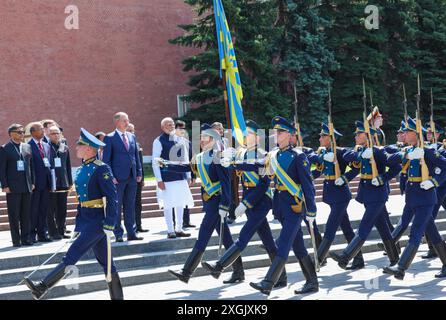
{"x":294,"y":197}
{"x":421,"y":199}
{"x":337,"y":197}
{"x":93,"y":183}
{"x":374,"y":199}
{"x":216,"y":195}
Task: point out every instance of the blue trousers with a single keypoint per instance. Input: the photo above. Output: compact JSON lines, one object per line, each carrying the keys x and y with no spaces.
{"x":374,"y":215}
{"x":257,"y":222}
{"x":211,"y":222}
{"x":291,"y":235}
{"x":423,"y":221}
{"x":86,"y":241}
{"x":338,"y":218}
{"x":40,"y":201}
{"x":126,"y":200}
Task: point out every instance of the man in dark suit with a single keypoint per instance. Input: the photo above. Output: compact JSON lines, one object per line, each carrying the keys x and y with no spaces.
{"x":17,"y":179}
{"x":62,"y":183}
{"x":121,"y":154}
{"x":140,"y":185}
{"x":41,"y":195}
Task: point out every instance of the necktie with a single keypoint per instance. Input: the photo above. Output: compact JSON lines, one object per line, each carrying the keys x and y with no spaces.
{"x":124,"y":139}
{"x":42,"y":152}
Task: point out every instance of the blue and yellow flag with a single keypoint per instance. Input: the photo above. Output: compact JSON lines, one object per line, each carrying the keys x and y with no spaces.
{"x":228,"y":63}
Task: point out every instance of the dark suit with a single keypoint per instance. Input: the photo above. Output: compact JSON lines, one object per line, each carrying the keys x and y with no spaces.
{"x":41,"y":195}
{"x":126,"y":167}
{"x":58,"y":199}
{"x":139,"y":186}
{"x":20,"y":184}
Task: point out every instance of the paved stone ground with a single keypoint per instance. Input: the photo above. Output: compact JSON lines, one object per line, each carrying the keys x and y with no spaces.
{"x":366,"y":284}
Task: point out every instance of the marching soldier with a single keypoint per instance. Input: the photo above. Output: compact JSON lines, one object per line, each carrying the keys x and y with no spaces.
{"x":294,"y":200}
{"x":421,"y":198}
{"x":216,"y":195}
{"x":336,"y":194}
{"x":256,"y":203}
{"x":94,"y":224}
{"x":373,"y":192}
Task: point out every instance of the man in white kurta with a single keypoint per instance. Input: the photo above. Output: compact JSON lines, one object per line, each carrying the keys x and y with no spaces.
{"x":172,"y":188}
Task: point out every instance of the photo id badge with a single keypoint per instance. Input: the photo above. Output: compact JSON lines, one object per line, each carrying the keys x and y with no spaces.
{"x":20,"y":165}
{"x":57,"y":163}
{"x":46,"y":162}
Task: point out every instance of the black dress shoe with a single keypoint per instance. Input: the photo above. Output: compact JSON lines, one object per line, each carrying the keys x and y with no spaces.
{"x":134,"y":238}
{"x":66,"y":237}
{"x":119,"y":239}
{"x":142,"y":230}
{"x":182,"y":234}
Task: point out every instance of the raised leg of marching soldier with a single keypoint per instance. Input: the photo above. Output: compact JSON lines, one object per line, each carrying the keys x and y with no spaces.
{"x":210,"y":222}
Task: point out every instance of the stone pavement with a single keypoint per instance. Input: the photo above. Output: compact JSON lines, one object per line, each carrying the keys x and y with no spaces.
{"x":335,"y":284}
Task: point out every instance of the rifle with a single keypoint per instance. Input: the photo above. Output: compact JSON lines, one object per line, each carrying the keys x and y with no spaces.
{"x":405,"y":104}
{"x":367,"y":131}
{"x":433,"y":129}
{"x":332,"y":137}
{"x":300,"y":143}
{"x":424,"y":169}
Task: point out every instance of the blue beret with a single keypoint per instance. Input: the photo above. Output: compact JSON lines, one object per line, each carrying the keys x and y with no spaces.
{"x":87,"y":139}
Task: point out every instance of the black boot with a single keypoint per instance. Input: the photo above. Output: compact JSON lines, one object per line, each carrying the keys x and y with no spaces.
{"x":440,"y":249}
{"x":392,"y":251}
{"x":115,"y":288}
{"x":322,"y":251}
{"x":352,"y":250}
{"x":40,"y":288}
{"x":358,"y":262}
{"x":225,"y":261}
{"x":311,"y":284}
{"x":189,"y":267}
{"x":283,"y":279}
{"x":431,"y":252}
{"x":238,"y":274}
{"x":406,"y":259}
{"x":266,"y":285}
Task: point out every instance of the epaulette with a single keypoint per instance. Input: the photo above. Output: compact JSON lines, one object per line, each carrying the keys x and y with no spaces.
{"x":98,"y":162}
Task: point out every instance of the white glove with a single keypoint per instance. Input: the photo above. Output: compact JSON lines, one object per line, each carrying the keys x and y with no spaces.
{"x":329,"y":157}
{"x":225,"y":162}
{"x":240,"y":210}
{"x":417,"y":153}
{"x":228,"y":153}
{"x":310,"y":220}
{"x":367,"y":154}
{"x":339,"y":182}
{"x":375,"y":182}
{"x":108,"y":233}
{"x":427,"y":184}
{"x":222,"y":214}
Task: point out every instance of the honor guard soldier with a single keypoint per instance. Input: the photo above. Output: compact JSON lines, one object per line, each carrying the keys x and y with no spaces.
{"x":373,"y":192}
{"x":216,"y":195}
{"x":336,"y":194}
{"x":294,"y":200}
{"x":256,"y":203}
{"x":421,"y":198}
{"x":95,"y":219}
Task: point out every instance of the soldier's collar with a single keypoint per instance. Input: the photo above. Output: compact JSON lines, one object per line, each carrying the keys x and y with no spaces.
{"x":285,"y":148}
{"x":88,"y":161}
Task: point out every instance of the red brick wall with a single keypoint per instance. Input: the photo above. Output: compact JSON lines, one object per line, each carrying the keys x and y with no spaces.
{"x":118,"y":60}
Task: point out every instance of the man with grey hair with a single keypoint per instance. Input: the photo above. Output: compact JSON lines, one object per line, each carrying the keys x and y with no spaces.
{"x":121,"y":154}
{"x":173,"y":190}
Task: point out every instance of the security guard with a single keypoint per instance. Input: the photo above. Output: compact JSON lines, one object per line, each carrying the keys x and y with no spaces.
{"x":294,"y":199}
{"x":93,"y":182}
{"x":373,"y":192}
{"x":256,"y":203}
{"x":216,"y":195}
{"x":421,"y":198}
{"x":336,"y":194}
